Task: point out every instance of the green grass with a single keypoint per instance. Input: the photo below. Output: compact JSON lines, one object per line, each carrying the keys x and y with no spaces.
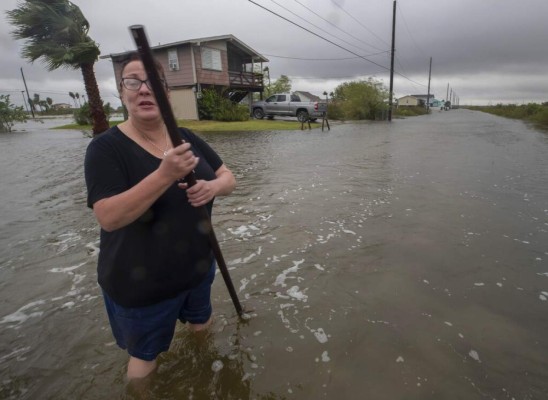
{"x":537,"y":113}
{"x":219,"y":126}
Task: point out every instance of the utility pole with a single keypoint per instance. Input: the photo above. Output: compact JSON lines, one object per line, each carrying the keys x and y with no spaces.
{"x":28,"y":96}
{"x":392,"y":63}
{"x":24,"y":101}
{"x":447,"y":94}
{"x":428,"y":96}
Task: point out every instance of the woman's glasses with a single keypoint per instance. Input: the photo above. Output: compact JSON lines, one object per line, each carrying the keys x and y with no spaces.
{"x":135,"y":84}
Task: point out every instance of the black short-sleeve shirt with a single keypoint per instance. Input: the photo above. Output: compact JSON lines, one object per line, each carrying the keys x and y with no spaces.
{"x":167,"y":249}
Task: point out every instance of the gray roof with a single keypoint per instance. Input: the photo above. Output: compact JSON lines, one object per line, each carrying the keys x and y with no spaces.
{"x":257,"y":57}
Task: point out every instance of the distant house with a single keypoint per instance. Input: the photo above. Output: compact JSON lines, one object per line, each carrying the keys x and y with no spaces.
{"x":61,"y":106}
{"x":410,"y":101}
{"x":417,"y":100}
{"x":436,"y":103}
{"x":220,"y":62}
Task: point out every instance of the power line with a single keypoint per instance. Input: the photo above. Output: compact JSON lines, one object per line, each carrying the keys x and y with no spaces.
{"x":362,"y":25}
{"x":315,"y":26}
{"x":332,"y":24}
{"x":333,"y":43}
{"x":332,"y":77}
{"x":315,"y":34}
{"x":409,"y":32}
{"x":325,"y":59}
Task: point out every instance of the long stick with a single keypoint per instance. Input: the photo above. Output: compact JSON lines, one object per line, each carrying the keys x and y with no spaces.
{"x":139,"y":36}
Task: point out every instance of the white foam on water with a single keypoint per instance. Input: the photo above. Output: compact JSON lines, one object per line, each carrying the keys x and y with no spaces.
{"x":280,"y":279}
{"x":93,"y":248}
{"x":67,"y":269}
{"x":246,"y":259}
{"x":474,"y":354}
{"x":217,"y":366}
{"x":320,"y":335}
{"x":448,"y":323}
{"x":400,"y":359}
{"x":243,"y":231}
{"x":318,"y":266}
{"x":244,"y":283}
{"x":479,"y":284}
{"x":324,"y":357}
{"x":295,"y":293}
{"x":20,"y":316}
{"x":16,"y":352}
{"x":66,"y":241}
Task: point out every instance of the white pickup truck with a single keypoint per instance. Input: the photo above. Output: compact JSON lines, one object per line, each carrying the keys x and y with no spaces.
{"x":288,"y":105}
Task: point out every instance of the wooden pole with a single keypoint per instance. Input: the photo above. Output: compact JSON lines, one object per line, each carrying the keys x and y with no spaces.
{"x":428,"y":96}
{"x":139,"y":36}
{"x":392,"y":63}
{"x":31,"y":104}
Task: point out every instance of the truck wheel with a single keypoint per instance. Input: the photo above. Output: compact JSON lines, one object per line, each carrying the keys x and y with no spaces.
{"x":258,"y":113}
{"x":302,"y":116}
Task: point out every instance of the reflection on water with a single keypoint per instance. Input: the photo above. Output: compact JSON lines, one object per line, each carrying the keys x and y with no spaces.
{"x":403,"y":260}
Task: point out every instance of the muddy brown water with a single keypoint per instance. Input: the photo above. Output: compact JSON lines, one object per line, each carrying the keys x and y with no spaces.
{"x":379,"y":261}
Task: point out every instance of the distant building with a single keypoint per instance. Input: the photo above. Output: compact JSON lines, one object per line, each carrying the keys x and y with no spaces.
{"x":436,"y":103}
{"x":61,"y":106}
{"x":418,"y":100}
{"x":410,"y":101}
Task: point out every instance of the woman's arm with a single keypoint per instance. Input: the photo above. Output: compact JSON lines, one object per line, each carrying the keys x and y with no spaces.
{"x":122,"y":209}
{"x":204,"y":191}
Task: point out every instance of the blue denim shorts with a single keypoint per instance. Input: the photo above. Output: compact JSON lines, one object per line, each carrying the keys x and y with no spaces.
{"x":147,"y":331}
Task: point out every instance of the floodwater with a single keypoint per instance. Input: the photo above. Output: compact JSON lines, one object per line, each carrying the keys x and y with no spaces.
{"x":403,"y":260}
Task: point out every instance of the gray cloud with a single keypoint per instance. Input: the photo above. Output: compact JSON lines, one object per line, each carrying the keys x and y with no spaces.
{"x":488,"y":51}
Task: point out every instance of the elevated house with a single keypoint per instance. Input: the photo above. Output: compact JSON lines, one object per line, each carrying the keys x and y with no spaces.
{"x":224,"y":63}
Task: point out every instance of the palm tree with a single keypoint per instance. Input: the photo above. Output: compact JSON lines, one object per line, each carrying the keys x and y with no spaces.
{"x":56,"y":32}
{"x":73,"y":97}
{"x":36,"y":101}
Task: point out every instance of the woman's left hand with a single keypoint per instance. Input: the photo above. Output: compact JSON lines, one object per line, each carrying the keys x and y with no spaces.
{"x":199,"y":194}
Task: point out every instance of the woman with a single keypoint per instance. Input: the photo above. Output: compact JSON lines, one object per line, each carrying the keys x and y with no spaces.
{"x":155,"y":265}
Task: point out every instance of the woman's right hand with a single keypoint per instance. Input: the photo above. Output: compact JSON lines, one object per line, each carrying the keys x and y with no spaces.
{"x":178,"y":162}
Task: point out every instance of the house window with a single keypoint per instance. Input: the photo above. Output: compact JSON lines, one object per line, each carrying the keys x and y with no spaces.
{"x":211,"y":59}
{"x":173,"y":60}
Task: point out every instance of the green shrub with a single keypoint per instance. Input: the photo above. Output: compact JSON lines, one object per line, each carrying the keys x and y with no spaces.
{"x":541,"y":117}
{"x":410,"y":111}
{"x":9,"y":114}
{"x":213,"y":106}
{"x":82,"y":116}
{"x":335,"y":111}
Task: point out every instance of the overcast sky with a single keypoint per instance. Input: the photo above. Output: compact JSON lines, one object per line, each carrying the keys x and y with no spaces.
{"x":486,"y":51}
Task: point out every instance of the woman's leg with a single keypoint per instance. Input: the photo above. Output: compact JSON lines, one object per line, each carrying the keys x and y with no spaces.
{"x":137,"y":368}
{"x":200,"y":327}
